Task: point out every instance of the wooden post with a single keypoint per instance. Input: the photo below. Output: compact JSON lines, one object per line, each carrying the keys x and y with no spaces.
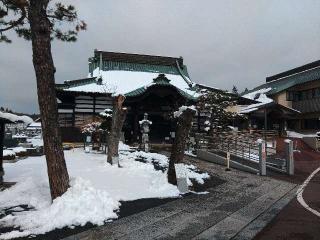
{"x":177,"y":153}
{"x":2,"y":131}
{"x":118,"y":118}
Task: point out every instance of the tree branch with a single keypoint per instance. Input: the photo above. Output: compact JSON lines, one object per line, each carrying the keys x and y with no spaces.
{"x":21,"y":4}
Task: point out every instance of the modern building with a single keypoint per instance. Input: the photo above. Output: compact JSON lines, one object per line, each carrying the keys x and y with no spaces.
{"x":296,"y":98}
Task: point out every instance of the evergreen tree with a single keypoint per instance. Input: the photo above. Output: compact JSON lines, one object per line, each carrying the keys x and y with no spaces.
{"x":235,"y":90}
{"x":217,"y":105}
{"x":40,"y":21}
{"x":245,"y":91}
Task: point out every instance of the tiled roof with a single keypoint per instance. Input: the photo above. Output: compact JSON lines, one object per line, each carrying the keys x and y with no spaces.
{"x":161,"y":80}
{"x":286,"y":82}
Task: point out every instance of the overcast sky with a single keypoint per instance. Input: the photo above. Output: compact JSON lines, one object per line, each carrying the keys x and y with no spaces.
{"x":223,"y":43}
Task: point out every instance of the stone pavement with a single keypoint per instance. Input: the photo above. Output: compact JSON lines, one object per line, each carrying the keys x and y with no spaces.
{"x":295,"y":222}
{"x":238,"y":209}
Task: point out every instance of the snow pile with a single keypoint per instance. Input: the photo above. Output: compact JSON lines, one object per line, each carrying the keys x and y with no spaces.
{"x":123,"y":147}
{"x":95,"y":193}
{"x":36,"y":141}
{"x":80,"y":204}
{"x":8,"y":153}
{"x":15,"y":118}
{"x":177,"y":114}
{"x":19,"y":150}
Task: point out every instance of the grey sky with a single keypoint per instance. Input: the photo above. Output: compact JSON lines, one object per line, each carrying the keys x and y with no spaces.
{"x":224,"y":43}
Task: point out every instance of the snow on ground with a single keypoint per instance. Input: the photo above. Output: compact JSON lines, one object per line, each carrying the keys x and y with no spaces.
{"x":36,"y":141}
{"x":19,"y":150}
{"x":95,"y":192}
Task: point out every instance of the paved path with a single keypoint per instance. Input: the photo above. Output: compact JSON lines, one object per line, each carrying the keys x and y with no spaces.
{"x":295,"y":222}
{"x":238,"y":208}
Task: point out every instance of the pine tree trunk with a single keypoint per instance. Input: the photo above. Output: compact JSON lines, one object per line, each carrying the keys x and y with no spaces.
{"x":45,"y":70}
{"x":118,"y":118}
{"x":2,"y":130}
{"x":178,"y":147}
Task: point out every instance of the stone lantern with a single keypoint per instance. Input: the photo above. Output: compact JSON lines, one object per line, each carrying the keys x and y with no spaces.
{"x":145,"y":129}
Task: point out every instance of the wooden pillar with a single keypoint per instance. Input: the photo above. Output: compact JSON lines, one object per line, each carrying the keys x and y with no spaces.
{"x":2,"y":131}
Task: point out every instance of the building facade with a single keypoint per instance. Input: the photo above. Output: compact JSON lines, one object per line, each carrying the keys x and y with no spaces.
{"x":298,"y":92}
{"x":151,"y":84}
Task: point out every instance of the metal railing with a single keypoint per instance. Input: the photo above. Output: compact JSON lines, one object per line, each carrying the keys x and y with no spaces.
{"x":243,"y":146}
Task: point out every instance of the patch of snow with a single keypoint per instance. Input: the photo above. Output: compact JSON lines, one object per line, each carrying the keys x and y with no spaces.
{"x":36,"y":141}
{"x":95,"y":190}
{"x":15,"y":118}
{"x":259,"y":96}
{"x":34,"y":125}
{"x":19,"y":150}
{"x":80,"y":204}
{"x":189,"y":153}
{"x":145,"y":121}
{"x":19,"y":136}
{"x":8,"y":153}
{"x":253,"y":95}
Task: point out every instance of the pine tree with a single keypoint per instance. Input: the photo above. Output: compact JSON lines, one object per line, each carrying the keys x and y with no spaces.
{"x":40,"y":21}
{"x":235,"y":90}
{"x":217,"y":105}
{"x":245,"y":91}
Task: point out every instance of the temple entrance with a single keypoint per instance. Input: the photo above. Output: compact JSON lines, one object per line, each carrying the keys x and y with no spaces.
{"x":159,"y":102}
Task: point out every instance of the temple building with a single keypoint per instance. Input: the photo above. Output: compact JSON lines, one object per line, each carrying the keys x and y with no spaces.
{"x":151,"y":84}
{"x":288,"y":100}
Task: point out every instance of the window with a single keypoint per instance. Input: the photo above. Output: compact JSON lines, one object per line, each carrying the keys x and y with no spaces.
{"x":290,"y":96}
{"x":65,"y":119}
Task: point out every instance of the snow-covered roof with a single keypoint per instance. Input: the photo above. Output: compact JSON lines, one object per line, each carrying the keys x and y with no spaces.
{"x":13,"y":118}
{"x":34,"y":125}
{"x":129,"y":74}
{"x":259,"y":96}
{"x":123,"y":82}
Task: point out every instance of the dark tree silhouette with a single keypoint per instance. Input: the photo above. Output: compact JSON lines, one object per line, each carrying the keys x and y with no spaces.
{"x":235,"y":90}
{"x":42,"y":21}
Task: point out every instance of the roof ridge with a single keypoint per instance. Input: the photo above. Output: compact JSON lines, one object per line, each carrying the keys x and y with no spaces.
{"x":297,"y":70}
{"x":137,"y":58}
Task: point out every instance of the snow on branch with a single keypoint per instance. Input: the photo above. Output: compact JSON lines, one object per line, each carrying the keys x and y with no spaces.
{"x":177,"y":114}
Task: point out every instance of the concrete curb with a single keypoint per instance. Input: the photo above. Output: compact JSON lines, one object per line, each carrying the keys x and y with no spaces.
{"x":214,"y":158}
